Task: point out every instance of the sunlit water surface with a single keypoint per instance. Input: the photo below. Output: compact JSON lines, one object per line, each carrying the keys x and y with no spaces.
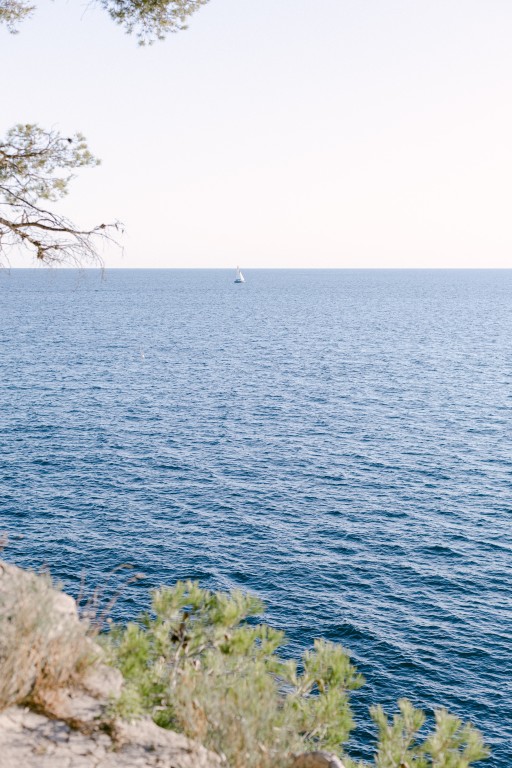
{"x":338,"y":442}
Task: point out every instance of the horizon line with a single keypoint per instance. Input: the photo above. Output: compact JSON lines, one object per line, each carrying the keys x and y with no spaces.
{"x":56,"y":267}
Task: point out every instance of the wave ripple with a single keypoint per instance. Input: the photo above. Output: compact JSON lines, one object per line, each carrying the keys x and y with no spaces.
{"x":338,"y":442}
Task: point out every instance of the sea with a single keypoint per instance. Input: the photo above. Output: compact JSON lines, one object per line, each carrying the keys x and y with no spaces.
{"x":337,"y":442}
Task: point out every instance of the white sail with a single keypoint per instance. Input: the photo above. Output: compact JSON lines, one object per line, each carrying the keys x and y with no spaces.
{"x":239,"y":277}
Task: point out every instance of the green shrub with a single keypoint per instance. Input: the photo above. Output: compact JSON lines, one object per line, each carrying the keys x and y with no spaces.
{"x":199,"y":663}
{"x":452,"y":744}
{"x":195,"y":664}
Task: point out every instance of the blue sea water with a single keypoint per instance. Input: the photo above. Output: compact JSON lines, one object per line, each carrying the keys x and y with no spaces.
{"x":338,"y":442}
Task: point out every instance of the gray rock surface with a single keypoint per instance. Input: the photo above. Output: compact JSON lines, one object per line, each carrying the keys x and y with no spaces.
{"x":317,"y":760}
{"x":84,"y":706}
{"x":30,"y":740}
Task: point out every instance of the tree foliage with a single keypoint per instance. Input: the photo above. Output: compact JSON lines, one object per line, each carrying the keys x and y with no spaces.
{"x":149,"y":20}
{"x":199,"y":663}
{"x":152,"y":20}
{"x":35,"y":169}
{"x":12,"y":12}
{"x":36,"y":164}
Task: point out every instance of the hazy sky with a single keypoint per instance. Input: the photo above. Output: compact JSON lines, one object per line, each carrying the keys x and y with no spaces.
{"x":286,"y":133}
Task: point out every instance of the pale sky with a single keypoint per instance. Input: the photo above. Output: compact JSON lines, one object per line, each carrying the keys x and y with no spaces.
{"x":283,"y":133}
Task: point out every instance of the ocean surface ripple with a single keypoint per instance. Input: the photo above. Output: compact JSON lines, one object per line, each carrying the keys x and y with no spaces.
{"x":338,"y":442}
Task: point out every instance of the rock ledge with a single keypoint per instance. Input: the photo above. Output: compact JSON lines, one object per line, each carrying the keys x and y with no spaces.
{"x":31,"y":740}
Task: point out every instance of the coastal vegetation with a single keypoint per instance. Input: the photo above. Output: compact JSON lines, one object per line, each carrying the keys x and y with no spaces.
{"x":198,"y":663}
{"x":202,"y":664}
{"x":42,"y":646}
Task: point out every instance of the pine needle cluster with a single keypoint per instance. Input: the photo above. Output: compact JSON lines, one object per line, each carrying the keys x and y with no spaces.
{"x":200,"y":663}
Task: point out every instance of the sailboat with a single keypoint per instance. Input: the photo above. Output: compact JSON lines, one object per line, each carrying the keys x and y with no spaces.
{"x":239,"y":277}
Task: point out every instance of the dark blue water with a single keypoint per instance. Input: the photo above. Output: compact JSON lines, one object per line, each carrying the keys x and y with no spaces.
{"x":337,"y":441}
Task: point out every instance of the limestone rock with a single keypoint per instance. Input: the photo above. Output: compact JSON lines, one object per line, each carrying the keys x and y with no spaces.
{"x":147,"y":735}
{"x":317,"y":760}
{"x":102,"y":681}
{"x":17,"y":585}
{"x":31,"y":740}
{"x":39,"y":632}
{"x":83,"y":706}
